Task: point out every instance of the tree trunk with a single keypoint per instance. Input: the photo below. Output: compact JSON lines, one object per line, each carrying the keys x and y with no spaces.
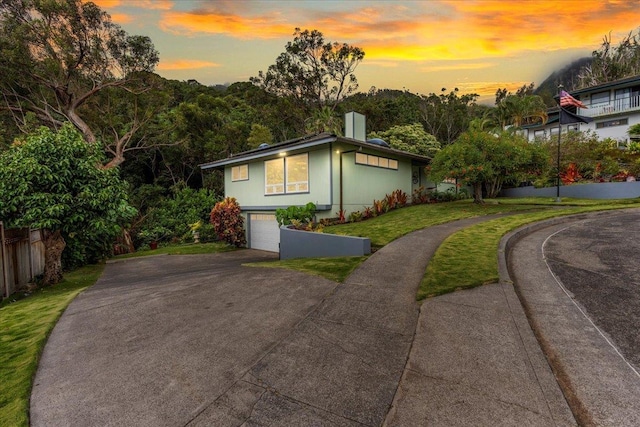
{"x":477,"y":193}
{"x":54,"y":244}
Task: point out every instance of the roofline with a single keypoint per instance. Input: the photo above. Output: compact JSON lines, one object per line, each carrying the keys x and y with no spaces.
{"x":307,"y":142}
{"x":608,"y":85}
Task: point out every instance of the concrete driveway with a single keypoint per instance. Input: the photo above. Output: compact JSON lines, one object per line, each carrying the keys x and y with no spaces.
{"x":158,"y":339}
{"x":579,"y":281}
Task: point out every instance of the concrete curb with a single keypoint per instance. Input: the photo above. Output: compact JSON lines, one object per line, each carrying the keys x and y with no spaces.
{"x":581,"y":409}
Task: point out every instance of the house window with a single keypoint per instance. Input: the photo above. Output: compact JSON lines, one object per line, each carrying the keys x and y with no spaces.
{"x":240,"y":173}
{"x":600,"y":98}
{"x":611,"y":123}
{"x":377,"y":161}
{"x":287,"y":175}
{"x":297,"y":171}
{"x":539,"y":134}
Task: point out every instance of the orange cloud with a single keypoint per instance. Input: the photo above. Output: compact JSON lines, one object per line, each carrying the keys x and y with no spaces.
{"x":143,"y":4}
{"x":212,"y":22}
{"x":485,"y":89}
{"x":447,"y":66}
{"x":121,"y":18}
{"x":420,"y":31}
{"x":186,"y":64}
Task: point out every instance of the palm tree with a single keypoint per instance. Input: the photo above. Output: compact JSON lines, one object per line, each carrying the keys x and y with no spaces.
{"x":323,"y":120}
{"x":518,"y":110}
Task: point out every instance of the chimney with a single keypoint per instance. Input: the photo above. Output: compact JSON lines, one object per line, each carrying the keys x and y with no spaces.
{"x":355,"y":126}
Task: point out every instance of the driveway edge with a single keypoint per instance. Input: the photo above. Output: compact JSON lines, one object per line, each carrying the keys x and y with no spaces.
{"x":581,"y":412}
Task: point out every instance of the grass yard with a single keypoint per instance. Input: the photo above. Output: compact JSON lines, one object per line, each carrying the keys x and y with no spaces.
{"x":388,"y":227}
{"x":469,"y":257}
{"x":186,"y":249}
{"x":24,"y":328}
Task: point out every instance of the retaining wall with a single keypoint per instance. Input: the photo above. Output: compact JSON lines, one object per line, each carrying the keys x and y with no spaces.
{"x":604,"y":190}
{"x":307,"y":244}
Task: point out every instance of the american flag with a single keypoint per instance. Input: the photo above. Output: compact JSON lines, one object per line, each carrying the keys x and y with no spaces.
{"x":566,"y":100}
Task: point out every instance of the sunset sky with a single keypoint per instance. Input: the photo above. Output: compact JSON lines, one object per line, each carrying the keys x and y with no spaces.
{"x":421,"y":46}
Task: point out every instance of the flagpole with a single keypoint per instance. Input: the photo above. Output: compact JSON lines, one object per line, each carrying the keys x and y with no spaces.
{"x":559,"y":133}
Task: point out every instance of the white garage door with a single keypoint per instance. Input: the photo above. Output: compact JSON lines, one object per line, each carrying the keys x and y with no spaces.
{"x":264,"y":232}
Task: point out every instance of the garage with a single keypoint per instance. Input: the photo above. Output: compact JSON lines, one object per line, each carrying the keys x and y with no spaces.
{"x":264,"y":232}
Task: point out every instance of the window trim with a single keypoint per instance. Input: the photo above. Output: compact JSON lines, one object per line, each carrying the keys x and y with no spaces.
{"x":240,"y":168}
{"x":373,"y":161}
{"x":284,"y":183}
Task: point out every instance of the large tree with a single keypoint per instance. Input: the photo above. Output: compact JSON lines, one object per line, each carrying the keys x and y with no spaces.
{"x":52,"y":180}
{"x":313,"y":71}
{"x":446,"y":116}
{"x":611,"y":62}
{"x":480,"y":158}
{"x":57,"y":55}
{"x":517,"y":110}
{"x":411,"y":138}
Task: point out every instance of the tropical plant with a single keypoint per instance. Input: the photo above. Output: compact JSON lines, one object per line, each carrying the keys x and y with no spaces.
{"x":52,"y":180}
{"x":518,"y":110}
{"x":228,"y":222}
{"x":303,"y":214}
{"x":481,"y":158}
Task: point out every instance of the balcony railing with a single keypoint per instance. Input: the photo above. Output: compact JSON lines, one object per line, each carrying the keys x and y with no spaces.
{"x":616,"y":107}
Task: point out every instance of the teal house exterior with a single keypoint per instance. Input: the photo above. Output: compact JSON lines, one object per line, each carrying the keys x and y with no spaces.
{"x":334,"y":172}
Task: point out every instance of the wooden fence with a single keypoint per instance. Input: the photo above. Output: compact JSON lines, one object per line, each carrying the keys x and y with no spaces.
{"x":21,"y":258}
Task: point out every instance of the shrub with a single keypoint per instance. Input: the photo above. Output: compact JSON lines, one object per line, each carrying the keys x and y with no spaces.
{"x":170,"y":218}
{"x":299,"y":213}
{"x":420,"y":196}
{"x":355,"y":216}
{"x":228,"y":223}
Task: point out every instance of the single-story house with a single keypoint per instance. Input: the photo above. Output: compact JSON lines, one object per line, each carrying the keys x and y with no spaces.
{"x":334,"y":172}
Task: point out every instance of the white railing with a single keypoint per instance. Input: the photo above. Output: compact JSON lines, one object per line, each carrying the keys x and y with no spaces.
{"x":618,"y":106}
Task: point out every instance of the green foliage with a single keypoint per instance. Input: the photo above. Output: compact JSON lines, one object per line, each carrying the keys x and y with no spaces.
{"x":312,"y":71}
{"x":228,"y":222}
{"x":303,"y":214}
{"x":596,"y":160}
{"x":447,"y":115}
{"x":410,"y":138}
{"x":634,"y":129}
{"x":259,"y":134}
{"x":52,"y":180}
{"x":170,"y":218}
{"x":480,"y":158}
{"x":517,"y":110}
{"x":58,"y":55}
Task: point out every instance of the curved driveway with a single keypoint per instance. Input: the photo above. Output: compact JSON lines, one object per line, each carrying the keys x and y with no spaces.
{"x":579,"y":281}
{"x":158,"y":339}
{"x":201,"y":340}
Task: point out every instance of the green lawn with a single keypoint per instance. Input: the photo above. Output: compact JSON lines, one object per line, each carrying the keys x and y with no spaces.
{"x":467,"y":258}
{"x":24,"y":328}
{"x":388,"y":227}
{"x":186,"y":249}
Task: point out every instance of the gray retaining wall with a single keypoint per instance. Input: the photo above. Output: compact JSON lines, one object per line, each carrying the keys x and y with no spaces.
{"x":306,"y":244}
{"x":604,"y":190}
